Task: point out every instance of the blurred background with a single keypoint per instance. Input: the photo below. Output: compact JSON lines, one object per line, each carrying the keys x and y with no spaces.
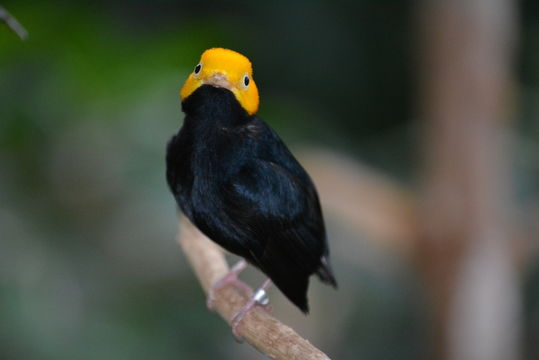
{"x":89,"y":265}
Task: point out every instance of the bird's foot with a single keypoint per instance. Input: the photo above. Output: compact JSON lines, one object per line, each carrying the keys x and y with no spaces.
{"x":229,"y":279}
{"x":260,"y":299}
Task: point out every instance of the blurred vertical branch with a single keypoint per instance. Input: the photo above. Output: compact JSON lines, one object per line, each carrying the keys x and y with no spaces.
{"x":12,"y":23}
{"x":464,"y":247}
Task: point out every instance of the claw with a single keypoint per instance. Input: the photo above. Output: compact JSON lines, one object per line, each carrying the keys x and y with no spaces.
{"x":260,"y":299}
{"x":228,"y":279}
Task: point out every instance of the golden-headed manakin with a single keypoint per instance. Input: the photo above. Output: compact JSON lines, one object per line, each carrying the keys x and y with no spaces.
{"x":236,"y":180}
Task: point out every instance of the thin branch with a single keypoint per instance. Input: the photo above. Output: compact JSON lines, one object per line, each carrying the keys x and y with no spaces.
{"x":377,"y":206}
{"x":385,"y":211}
{"x":13,"y":24}
{"x":258,"y":328}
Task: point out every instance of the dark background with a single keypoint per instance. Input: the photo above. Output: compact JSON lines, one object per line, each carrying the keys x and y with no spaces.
{"x":89,"y":268}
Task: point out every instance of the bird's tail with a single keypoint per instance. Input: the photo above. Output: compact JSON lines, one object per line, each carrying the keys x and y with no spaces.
{"x":325,"y":272}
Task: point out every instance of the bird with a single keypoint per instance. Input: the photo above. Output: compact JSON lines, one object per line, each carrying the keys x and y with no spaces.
{"x":239,"y":184}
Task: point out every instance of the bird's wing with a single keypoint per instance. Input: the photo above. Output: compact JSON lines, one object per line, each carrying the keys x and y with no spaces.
{"x":271,"y":204}
{"x":278,"y":216}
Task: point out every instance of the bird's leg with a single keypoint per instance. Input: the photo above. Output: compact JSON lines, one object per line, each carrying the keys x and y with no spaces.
{"x":230,"y":278}
{"x":260,"y":298}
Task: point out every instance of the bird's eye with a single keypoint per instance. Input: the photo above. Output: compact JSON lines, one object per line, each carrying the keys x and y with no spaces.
{"x":198,"y":68}
{"x":246,"y":80}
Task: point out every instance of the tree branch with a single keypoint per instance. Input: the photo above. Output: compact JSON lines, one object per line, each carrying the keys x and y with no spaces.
{"x":12,"y":23}
{"x":466,"y":244}
{"x":385,"y":211}
{"x":258,"y":328}
{"x":381,"y":208}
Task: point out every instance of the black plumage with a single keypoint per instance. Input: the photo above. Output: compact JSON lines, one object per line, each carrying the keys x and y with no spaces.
{"x":236,"y":180}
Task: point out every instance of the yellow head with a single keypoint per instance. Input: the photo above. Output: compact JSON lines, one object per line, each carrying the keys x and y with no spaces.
{"x":227,"y":69}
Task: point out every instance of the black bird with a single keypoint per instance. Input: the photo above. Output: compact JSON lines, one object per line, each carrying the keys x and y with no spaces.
{"x":238,"y":183}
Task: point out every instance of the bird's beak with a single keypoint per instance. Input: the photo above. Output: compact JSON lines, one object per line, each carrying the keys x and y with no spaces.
{"x":218,"y":80}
